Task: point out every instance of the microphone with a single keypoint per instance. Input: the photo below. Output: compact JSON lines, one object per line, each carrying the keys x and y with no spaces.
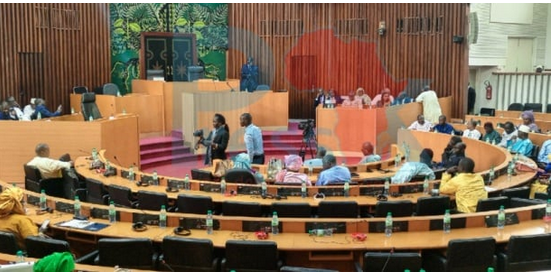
{"x":388,"y":258}
{"x":117,"y":161}
{"x":231,"y":89}
{"x":86,"y":152}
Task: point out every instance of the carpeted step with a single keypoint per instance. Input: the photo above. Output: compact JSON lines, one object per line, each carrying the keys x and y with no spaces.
{"x":161,"y":152}
{"x":159,"y":142}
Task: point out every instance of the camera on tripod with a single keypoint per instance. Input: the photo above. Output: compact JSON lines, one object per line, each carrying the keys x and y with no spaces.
{"x":307,"y":127}
{"x":198,"y":133}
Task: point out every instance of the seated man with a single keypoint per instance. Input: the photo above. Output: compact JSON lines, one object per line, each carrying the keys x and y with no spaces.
{"x":28,"y":110}
{"x":491,"y":136}
{"x":41,"y":108}
{"x":471,"y":131}
{"x":443,"y":127}
{"x":351,"y":101}
{"x":543,"y":155}
{"x":369,"y":157}
{"x":318,"y":160}
{"x":508,"y":134}
{"x":242,"y":161}
{"x":521,"y":144}
{"x":466,"y":186}
{"x":291,"y":173}
{"x":13,"y":217}
{"x":412,"y":169}
{"x":456,"y":155}
{"x":402,"y":99}
{"x":421,"y":124}
{"x":49,"y":168}
{"x":16,"y":108}
{"x":331,"y":172}
{"x":449,"y":149}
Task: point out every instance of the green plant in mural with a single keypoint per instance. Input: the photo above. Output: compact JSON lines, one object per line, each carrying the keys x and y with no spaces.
{"x":209,"y":22}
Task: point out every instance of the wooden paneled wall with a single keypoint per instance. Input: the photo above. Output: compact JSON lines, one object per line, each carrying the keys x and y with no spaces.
{"x":48,"y":49}
{"x":302,"y":46}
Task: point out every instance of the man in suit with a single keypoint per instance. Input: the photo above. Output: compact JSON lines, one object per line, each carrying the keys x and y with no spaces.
{"x":217,"y":141}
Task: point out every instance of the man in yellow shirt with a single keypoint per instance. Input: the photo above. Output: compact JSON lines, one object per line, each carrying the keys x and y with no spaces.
{"x":467,"y":186}
{"x":13,"y":218}
{"x":49,"y":168}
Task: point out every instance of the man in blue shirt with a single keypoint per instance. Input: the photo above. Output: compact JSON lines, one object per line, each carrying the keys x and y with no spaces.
{"x":521,"y":144}
{"x":332,"y":173}
{"x":318,"y":160}
{"x":443,"y":127}
{"x":412,"y":169}
{"x":253,"y":140}
{"x":545,"y":151}
{"x":41,"y":108}
{"x":369,"y":157}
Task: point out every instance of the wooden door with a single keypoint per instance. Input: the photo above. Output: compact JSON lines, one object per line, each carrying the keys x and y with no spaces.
{"x":167,"y":55}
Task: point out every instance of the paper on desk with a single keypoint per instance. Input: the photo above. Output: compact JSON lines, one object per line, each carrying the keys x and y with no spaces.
{"x":75,"y":224}
{"x":488,"y":189}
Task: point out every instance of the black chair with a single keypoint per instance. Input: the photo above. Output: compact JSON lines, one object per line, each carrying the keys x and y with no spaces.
{"x":8,"y":243}
{"x":39,"y":247}
{"x":288,"y":268}
{"x":126,"y":253}
{"x":121,"y":195}
{"x":248,"y":209}
{"x":239,"y":175}
{"x":487,"y":112}
{"x":151,"y":200}
{"x":533,"y":106}
{"x":516,"y":107}
{"x":187,"y":254}
{"x":195,"y":204}
{"x":493,"y":203}
{"x":110,"y":89}
{"x":534,"y":154}
{"x":291,"y":210}
{"x":432,"y":205}
{"x":96,"y":193}
{"x":542,"y":196}
{"x":526,"y":253}
{"x":548,"y":108}
{"x":536,"y":213}
{"x":195,"y":73}
{"x":464,"y":255}
{"x":516,"y":192}
{"x":337,"y":209}
{"x":251,"y":256}
{"x":203,"y":175}
{"x":73,"y":186}
{"x":34,"y":182}
{"x":89,"y":106}
{"x":80,"y":89}
{"x":402,"y":208}
{"x":390,"y":262}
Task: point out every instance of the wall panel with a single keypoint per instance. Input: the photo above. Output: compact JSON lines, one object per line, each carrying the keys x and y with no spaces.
{"x":348,"y":51}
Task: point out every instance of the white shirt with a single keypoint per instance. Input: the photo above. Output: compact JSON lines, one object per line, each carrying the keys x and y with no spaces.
{"x":472,"y":134}
{"x":49,"y":168}
{"x":432,"y":109}
{"x":505,"y":137}
{"x":27,"y":112}
{"x":425,"y":127}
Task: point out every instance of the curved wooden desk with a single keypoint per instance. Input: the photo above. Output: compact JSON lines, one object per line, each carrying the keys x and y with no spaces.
{"x":544,"y":126}
{"x":536,"y":138}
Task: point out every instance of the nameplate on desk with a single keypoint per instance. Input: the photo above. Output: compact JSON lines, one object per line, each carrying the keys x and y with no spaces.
{"x":510,"y":219}
{"x":197,"y":223}
{"x":33,"y":200}
{"x":64,"y":207}
{"x":101,"y":213}
{"x":289,"y":191}
{"x":146,"y":218}
{"x":249,"y":190}
{"x":209,"y":188}
{"x":379,"y":227}
{"x":253,"y":226}
{"x":455,"y":223}
{"x":371,"y":190}
{"x":332,"y":191}
{"x":338,"y":227}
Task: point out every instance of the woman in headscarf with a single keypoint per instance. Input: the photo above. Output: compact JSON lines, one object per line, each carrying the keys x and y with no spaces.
{"x":384,"y":99}
{"x":242,"y":161}
{"x":291,"y":173}
{"x":412,"y":169}
{"x":13,"y":218}
{"x":529,"y":120}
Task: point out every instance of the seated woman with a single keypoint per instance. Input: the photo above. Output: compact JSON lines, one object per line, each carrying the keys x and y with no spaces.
{"x":351,"y":101}
{"x":290,"y":174}
{"x":384,"y":99}
{"x":529,"y":120}
{"x":412,"y":169}
{"x":242,"y":161}
{"x":13,"y":217}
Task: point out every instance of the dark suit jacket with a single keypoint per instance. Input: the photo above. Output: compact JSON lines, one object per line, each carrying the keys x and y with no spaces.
{"x":221,"y":139}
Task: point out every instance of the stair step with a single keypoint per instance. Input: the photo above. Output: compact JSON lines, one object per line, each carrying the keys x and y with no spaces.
{"x":160,"y":142}
{"x":166,"y":151}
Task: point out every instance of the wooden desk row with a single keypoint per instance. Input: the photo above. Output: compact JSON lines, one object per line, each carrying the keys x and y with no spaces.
{"x":536,"y":138}
{"x":539,"y":116}
{"x":544,"y":126}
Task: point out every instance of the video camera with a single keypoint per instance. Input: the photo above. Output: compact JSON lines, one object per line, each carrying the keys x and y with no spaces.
{"x":198,"y":133}
{"x":305,"y":125}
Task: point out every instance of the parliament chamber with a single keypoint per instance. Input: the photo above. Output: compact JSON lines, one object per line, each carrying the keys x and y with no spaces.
{"x":135,"y":80}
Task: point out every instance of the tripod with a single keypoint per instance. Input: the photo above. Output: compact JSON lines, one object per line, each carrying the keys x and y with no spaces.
{"x":308,"y":143}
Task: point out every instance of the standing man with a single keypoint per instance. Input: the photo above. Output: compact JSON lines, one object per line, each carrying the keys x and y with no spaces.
{"x":253,"y":140}
{"x":471,"y":99}
{"x":430,"y":102}
{"x":250,"y":74}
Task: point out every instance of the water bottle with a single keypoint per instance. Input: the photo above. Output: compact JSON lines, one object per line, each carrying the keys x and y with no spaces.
{"x":131,"y":175}
{"x":509,"y":171}
{"x":275,"y":223}
{"x":76,"y":207}
{"x":493,"y":142}
{"x":123,"y":111}
{"x":501,"y":218}
{"x":426,"y":186}
{"x":310,"y":170}
{"x":397,"y":160}
{"x":491,"y":175}
{"x":389,"y":225}
{"x":264,"y":188}
{"x":73,"y":111}
{"x":94,"y":154}
{"x":547,"y":217}
{"x":90,"y":118}
{"x":386,"y":187}
{"x":112,"y":212}
{"x":487,"y":140}
{"x":209,"y":222}
{"x":39,"y":115}
{"x":107,"y":165}
{"x":304,"y":190}
{"x":447,"y":222}
{"x":42,"y":200}
{"x":162,"y":217}
{"x":222,"y":186}
{"x":19,"y":257}
{"x":346,"y":189}
{"x":187,"y":185}
{"x":155,"y":178}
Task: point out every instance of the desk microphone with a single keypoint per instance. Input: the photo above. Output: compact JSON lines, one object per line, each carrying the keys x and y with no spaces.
{"x":86,"y":152}
{"x":117,"y":161}
{"x":231,"y":89}
{"x":388,"y":258}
